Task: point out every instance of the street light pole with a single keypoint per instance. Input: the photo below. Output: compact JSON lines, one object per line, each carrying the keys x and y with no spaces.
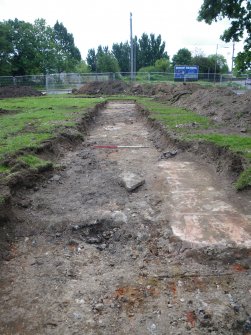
{"x":131,"y":40}
{"x":233,"y":58}
{"x":215,"y":65}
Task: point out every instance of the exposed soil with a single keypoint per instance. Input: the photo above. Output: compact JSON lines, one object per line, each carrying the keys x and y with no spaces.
{"x":92,"y":256}
{"x":17,"y":91}
{"x":221,"y":104}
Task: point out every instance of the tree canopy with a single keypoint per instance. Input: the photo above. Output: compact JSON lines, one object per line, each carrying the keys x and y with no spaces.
{"x":102,"y":61}
{"x":148,"y":49}
{"x":182,"y":57}
{"x":239,"y":14}
{"x":27,"y":48}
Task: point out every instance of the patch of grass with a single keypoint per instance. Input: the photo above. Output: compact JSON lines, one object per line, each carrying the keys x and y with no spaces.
{"x":38,"y":119}
{"x":4,"y":168}
{"x":244,"y":180}
{"x":174,"y":117}
{"x":34,"y":161}
{"x":176,"y":120}
{"x":236,"y":143}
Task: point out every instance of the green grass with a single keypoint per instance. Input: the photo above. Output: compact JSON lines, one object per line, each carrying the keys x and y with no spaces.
{"x":176,"y":119}
{"x":244,"y":180}
{"x":34,"y":161}
{"x":38,"y":119}
{"x":236,"y":143}
{"x":4,"y":168}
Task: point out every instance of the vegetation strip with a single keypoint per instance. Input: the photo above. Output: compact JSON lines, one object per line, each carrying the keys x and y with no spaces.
{"x":37,"y":119}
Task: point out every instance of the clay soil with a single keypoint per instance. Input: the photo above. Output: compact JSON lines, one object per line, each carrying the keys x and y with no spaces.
{"x":86,"y":255}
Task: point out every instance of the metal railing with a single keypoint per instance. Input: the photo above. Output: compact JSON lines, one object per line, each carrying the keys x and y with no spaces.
{"x":69,"y":81}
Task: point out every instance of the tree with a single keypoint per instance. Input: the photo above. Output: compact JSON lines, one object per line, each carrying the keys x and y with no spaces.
{"x":121,"y":52}
{"x":162,"y":65}
{"x":239,"y":14}
{"x":68,"y":55}
{"x":210,"y":63}
{"x":92,"y":59}
{"x":37,"y":48}
{"x":6,"y":50}
{"x":205,"y":64}
{"x":106,"y":62}
{"x":183,"y":57}
{"x":149,"y":49}
{"x":82,"y":67}
{"x":220,"y":61}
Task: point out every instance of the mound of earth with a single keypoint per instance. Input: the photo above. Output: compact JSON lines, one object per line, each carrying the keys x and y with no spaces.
{"x":110,"y":87}
{"x":168,"y":91}
{"x":221,"y":104}
{"x":18,"y":91}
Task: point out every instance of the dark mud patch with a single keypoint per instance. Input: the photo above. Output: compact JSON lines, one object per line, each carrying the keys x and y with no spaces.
{"x":18,"y":91}
{"x":95,"y":88}
{"x":5,"y":111}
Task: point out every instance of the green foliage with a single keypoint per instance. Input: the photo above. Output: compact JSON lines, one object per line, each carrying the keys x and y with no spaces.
{"x":4,"y":168}
{"x":221,"y":63}
{"x":244,"y":180}
{"x":102,"y":61}
{"x":174,"y":117}
{"x":91,"y":60}
{"x":34,"y":161}
{"x":36,"y":48}
{"x":162,"y":65}
{"x":183,"y":57}
{"x":149,"y":50}
{"x":149,"y":69}
{"x":239,"y":14}
{"x":106,"y":62}
{"x":38,"y":119}
{"x":68,"y":54}
{"x":82,"y":67}
{"x":121,"y":52}
{"x":6,"y":48}
{"x":207,"y":63}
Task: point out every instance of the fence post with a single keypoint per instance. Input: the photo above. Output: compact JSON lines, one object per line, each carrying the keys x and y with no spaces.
{"x":46,"y":82}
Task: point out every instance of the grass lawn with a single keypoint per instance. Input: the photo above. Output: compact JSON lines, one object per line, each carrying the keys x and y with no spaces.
{"x":37,"y":118}
{"x":33,"y":120}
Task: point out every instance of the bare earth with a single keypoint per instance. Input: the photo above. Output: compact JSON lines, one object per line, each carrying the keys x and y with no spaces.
{"x":91,"y":257}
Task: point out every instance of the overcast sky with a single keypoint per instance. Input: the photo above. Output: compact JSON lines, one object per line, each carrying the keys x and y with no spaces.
{"x":95,"y":22}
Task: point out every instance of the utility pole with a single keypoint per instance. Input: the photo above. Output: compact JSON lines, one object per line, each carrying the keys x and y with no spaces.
{"x":215,"y":65}
{"x":131,"y":40}
{"x":233,"y":58}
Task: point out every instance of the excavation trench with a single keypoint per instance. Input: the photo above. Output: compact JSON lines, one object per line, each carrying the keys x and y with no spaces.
{"x":127,"y":240}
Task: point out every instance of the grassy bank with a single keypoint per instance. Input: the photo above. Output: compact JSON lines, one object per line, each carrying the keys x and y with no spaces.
{"x":190,"y":126}
{"x":27,"y":122}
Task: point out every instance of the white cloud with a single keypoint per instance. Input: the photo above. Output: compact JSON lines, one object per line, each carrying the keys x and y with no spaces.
{"x":95,"y":22}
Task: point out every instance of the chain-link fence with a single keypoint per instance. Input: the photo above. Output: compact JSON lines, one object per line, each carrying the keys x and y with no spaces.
{"x":65,"y":82}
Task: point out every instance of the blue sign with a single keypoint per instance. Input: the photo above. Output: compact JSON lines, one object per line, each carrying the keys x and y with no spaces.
{"x":186,"y":72}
